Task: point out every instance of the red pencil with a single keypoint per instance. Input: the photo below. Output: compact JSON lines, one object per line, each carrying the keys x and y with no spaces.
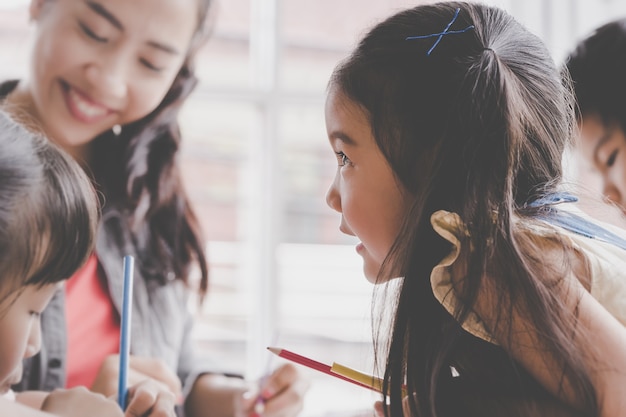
{"x":318,"y":366}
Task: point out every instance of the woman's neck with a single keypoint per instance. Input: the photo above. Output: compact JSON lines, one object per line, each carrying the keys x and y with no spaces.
{"x":83,"y":154}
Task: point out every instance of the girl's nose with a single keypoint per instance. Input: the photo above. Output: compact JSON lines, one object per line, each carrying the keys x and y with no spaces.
{"x":611,"y":192}
{"x":332,"y":197}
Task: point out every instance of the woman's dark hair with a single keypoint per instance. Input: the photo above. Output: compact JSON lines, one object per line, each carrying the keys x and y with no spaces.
{"x":596,"y":68}
{"x":147,"y":188}
{"x":477,"y":127}
{"x":48,"y":210}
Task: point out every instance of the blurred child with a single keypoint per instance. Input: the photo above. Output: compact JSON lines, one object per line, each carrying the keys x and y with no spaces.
{"x":48,"y":217}
{"x":596,"y":67}
{"x":448,"y":123}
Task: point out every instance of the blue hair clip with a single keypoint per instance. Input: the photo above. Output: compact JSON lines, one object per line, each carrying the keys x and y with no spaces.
{"x":441,"y":34}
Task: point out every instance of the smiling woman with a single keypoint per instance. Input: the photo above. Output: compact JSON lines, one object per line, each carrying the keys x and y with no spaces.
{"x":97,"y":66}
{"x":106,"y":81}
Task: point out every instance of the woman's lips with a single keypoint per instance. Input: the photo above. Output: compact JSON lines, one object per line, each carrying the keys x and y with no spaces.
{"x":82,"y":107}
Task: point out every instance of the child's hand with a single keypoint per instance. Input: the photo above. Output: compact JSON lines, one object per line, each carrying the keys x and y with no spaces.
{"x":282,"y":395}
{"x":139,"y":369}
{"x":150,"y":398}
{"x":378,"y":408}
{"x":80,"y":402}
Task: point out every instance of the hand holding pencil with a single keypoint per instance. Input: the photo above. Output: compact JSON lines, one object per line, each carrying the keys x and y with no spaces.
{"x":147,"y":397}
{"x":281,"y":393}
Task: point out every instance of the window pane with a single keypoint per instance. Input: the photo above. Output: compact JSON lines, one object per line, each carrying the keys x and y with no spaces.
{"x":14,"y":46}
{"x":309,"y":166}
{"x":214,"y":151}
{"x":315,"y":35}
{"x":224,"y":61}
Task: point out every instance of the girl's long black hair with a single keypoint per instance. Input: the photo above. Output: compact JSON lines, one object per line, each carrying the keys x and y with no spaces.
{"x":477,"y":127}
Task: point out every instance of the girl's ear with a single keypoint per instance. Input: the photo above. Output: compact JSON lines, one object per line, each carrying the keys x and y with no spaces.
{"x":35,"y":9}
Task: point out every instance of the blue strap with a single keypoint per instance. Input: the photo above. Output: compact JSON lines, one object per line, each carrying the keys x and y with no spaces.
{"x":572,"y":222}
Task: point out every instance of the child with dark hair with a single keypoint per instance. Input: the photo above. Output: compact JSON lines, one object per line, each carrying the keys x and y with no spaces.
{"x":107,"y":80}
{"x":597,"y":67}
{"x":449,"y":122}
{"x":48,"y":220}
{"x":47,"y":205}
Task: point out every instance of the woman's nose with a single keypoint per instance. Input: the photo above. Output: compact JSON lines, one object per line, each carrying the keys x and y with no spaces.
{"x":109,"y":76}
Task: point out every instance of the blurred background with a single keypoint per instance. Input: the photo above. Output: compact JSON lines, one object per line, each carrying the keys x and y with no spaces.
{"x":257,"y":165}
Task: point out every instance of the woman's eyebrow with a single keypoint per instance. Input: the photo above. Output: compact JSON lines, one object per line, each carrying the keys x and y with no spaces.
{"x":165,"y":48}
{"x":102,"y":11}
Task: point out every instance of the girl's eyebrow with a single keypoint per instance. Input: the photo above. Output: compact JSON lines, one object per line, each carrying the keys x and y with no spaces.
{"x":342,"y":137}
{"x":106,"y":14}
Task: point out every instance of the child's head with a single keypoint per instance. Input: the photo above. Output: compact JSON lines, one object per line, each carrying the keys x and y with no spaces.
{"x":467,"y":113}
{"x":597,"y":67}
{"x":476,"y":125}
{"x":48,"y":216}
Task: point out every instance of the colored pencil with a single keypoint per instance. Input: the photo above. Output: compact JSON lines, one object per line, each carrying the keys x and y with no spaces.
{"x":371,"y":381}
{"x":125,"y":316}
{"x":322,"y":367}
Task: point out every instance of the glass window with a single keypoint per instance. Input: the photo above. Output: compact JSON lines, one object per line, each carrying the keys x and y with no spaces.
{"x":224,"y":62}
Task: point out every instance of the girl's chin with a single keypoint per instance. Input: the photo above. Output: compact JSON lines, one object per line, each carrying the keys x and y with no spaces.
{"x":373,"y":276}
{"x":372,"y":280}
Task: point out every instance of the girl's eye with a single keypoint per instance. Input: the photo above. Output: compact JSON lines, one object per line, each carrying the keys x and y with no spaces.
{"x":342,"y":158}
{"x":612,"y":158}
{"x":149,"y":65}
{"x":35,"y":314}
{"x":91,"y":33}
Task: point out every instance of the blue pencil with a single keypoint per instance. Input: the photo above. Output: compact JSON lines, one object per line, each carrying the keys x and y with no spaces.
{"x":122,"y":390}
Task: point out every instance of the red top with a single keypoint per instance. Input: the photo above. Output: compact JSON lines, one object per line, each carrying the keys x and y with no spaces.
{"x":93,"y":325}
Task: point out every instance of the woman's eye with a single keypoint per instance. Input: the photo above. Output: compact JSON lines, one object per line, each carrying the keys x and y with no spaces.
{"x":343,"y":159}
{"x":35,"y":314}
{"x":91,"y":33}
{"x":612,"y":158}
{"x":150,"y":66}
